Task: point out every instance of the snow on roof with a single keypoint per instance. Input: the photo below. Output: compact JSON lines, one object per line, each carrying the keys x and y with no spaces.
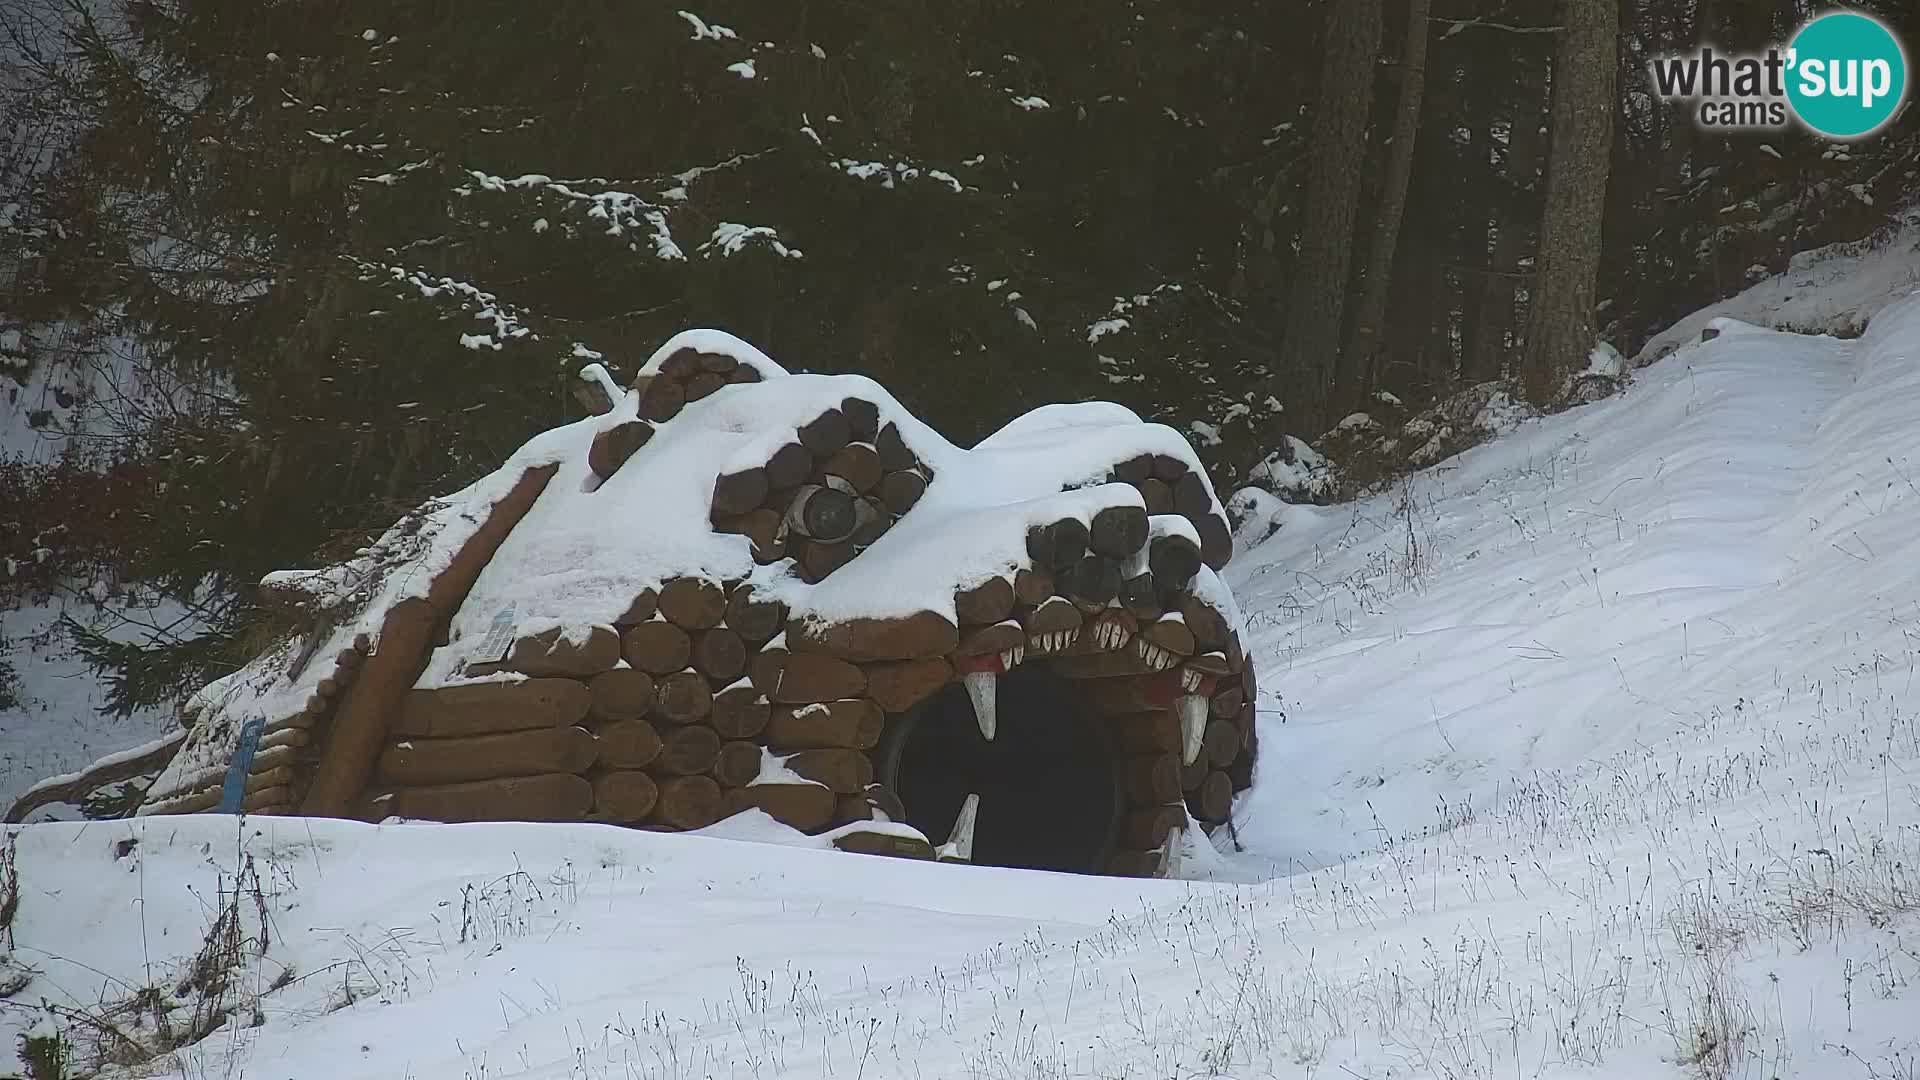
{"x":401,"y":564}
{"x":585,"y":550}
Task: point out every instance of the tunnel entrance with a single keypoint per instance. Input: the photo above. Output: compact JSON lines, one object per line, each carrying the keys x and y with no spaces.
{"x":1049,"y":795}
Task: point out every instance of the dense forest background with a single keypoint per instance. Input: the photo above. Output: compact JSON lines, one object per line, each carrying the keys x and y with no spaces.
{"x":271,"y":273}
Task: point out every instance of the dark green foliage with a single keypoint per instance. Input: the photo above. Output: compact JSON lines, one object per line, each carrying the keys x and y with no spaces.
{"x":298,"y":232}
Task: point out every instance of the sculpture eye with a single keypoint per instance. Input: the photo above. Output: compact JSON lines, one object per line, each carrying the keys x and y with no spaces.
{"x":824,"y":514}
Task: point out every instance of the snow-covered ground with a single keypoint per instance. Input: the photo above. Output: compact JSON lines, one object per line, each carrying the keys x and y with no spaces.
{"x":1591,"y":752}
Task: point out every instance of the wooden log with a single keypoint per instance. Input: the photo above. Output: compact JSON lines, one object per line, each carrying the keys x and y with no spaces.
{"x":1156,"y":731}
{"x":1151,"y":780}
{"x":847,"y":772}
{"x":1209,"y":626}
{"x":661,"y":398}
{"x":1157,"y":494}
{"x":739,"y":492}
{"x":360,"y":724}
{"x":688,"y":802}
{"x":889,"y":845}
{"x":693,"y":603}
{"x":703,"y":385}
{"x":687,"y":751}
{"x":657,"y":647}
{"x":1242,"y":770}
{"x":1059,"y":545}
{"x":359,"y":728}
{"x":645,"y":603}
{"x":1194,"y":775}
{"x":1174,"y":560}
{"x":1134,"y":469}
{"x":1228,"y":702}
{"x":420,"y":761}
{"x":981,"y":640}
{"x":1146,"y":830}
{"x":612,"y":446}
{"x":1134,"y":864}
{"x":718,"y":363}
{"x":1171,"y":634}
{"x":738,"y":763}
{"x":627,"y":744}
{"x":1169,"y":468}
{"x":1216,"y":540}
{"x":820,"y":560}
{"x":886,"y":802}
{"x":267,"y":800}
{"x":1236,"y":653}
{"x":1209,"y":663}
{"x":1092,"y":581}
{"x":624,"y":796}
{"x":743,"y":374}
{"x":762,"y":530}
{"x":863,"y":419}
{"x":110,"y":770}
{"x":858,"y":464}
{"x":546,"y":797}
{"x":984,"y":604}
{"x":1118,"y":531}
{"x":754,"y":617}
{"x":898,"y":687}
{"x":1191,"y":499}
{"x":577,"y":651}
{"x":1032,"y":587}
{"x":327,"y":686}
{"x":824,"y":435}
{"x":853,"y":723}
{"x":1141,"y":597}
{"x":620,"y":694}
{"x":901,"y":489}
{"x":1139,"y":693}
{"x":1213,"y":802}
{"x":740,"y":711}
{"x":485,"y":708}
{"x":788,"y":468}
{"x":894,"y":453}
{"x":1222,"y":742}
{"x":681,"y":363}
{"x":875,"y":520}
{"x":911,"y":637}
{"x":682,"y":698}
{"x":1055,"y":615}
{"x":807,"y":807}
{"x":848,"y":809}
{"x":720,"y":655}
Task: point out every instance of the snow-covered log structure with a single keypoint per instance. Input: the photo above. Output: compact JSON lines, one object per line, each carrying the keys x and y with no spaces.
{"x":741,"y":589}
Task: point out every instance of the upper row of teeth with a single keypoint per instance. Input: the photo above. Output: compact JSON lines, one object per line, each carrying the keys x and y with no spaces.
{"x":1053,"y":642}
{"x":1155,"y":657}
{"x":1011,"y":658}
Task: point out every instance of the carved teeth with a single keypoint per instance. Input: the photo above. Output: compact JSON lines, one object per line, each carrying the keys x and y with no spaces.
{"x":1169,"y":866}
{"x":959,"y":845}
{"x":1155,"y":657}
{"x":981,"y":689}
{"x":1193,"y":725}
{"x":1109,"y":635}
{"x":1012,"y":657}
{"x":1189,"y":680}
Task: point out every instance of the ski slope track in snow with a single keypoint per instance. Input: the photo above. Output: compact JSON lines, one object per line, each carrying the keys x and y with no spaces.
{"x":1590,"y":752}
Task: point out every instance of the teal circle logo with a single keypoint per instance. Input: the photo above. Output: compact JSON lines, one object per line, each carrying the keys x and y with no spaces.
{"x":1846,"y":75}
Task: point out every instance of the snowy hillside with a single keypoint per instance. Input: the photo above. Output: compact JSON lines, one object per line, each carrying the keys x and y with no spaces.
{"x":1593,"y":751}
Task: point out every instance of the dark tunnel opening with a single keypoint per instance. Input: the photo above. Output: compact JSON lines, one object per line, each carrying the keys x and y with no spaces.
{"x":1049,"y":795}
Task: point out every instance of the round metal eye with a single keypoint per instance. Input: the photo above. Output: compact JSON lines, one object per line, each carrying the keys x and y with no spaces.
{"x":823,"y":515}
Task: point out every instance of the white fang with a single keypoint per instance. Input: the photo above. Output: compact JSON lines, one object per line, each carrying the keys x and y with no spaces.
{"x":981,"y":689}
{"x":1193,"y":725}
{"x":959,"y":843}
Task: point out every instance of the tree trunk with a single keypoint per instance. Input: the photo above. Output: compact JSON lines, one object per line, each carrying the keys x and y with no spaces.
{"x":1487,"y":356}
{"x":1560,"y":326}
{"x":1316,"y":301}
{"x":1365,"y":343}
